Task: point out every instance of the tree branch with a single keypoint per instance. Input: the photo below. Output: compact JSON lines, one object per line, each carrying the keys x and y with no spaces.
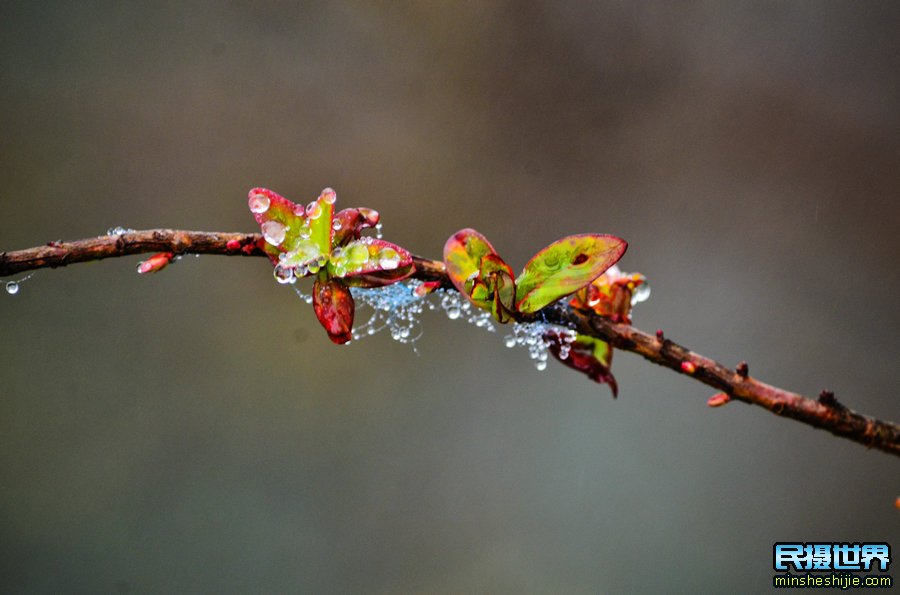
{"x":825,"y":412}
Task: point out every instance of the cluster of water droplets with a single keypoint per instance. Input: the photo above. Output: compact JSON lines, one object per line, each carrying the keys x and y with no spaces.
{"x":457,"y":307}
{"x":537,"y":337}
{"x":396,"y":308}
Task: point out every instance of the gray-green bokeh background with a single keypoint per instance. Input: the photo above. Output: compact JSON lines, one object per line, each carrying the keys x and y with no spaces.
{"x":196,"y":432}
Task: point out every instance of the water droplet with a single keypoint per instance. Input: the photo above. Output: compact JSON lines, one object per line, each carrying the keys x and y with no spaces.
{"x":357,"y":254}
{"x":378,"y":231}
{"x":313,"y":266}
{"x":283,"y":274}
{"x":273,"y":232}
{"x":641,"y":293}
{"x":12,"y":287}
{"x":329,"y":196}
{"x":336,"y":253}
{"x":453,"y":312}
{"x":117,"y":231}
{"x":314,"y":210}
{"x":321,"y":260}
{"x":259,"y":203}
{"x":541,"y":365}
{"x":510,"y":341}
{"x":336,"y":225}
{"x":389,"y":259}
{"x":404,"y":332}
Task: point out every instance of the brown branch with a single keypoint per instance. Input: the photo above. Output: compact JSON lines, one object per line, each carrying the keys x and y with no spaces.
{"x":825,"y":412}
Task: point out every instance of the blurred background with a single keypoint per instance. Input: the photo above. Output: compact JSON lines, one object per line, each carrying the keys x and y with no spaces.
{"x":196,"y":432}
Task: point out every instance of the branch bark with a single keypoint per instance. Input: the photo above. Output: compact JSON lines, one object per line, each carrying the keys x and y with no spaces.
{"x":825,"y":412}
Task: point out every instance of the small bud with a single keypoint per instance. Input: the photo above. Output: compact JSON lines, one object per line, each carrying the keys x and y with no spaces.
{"x":897,"y":503}
{"x":688,"y":367}
{"x":718,"y":400}
{"x":742,"y":369}
{"x":826,"y":397}
{"x":155,"y":263}
{"x":233,"y":245}
{"x":660,"y":336}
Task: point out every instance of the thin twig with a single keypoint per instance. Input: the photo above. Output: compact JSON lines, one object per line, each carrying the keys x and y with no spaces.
{"x":825,"y":412}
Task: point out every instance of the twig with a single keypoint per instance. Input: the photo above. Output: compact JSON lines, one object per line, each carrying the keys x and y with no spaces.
{"x":825,"y":413}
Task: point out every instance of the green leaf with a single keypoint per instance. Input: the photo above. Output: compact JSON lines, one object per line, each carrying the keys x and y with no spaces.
{"x":493,"y":288}
{"x":463,"y":253}
{"x":319,"y":215}
{"x":478,"y":272}
{"x":564,"y":267}
{"x":277,"y":217}
{"x":370,"y":262}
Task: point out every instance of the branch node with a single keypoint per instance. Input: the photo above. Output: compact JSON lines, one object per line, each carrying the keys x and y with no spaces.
{"x":827,"y":398}
{"x":742,"y":369}
{"x":660,"y":335}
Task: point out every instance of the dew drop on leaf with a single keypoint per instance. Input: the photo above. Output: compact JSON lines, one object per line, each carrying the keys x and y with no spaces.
{"x":388,"y":259}
{"x":314,"y":210}
{"x":259,"y":203}
{"x":641,"y":293}
{"x":273,"y":232}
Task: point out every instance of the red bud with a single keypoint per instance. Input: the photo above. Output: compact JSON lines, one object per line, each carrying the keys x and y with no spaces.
{"x":717,"y":400}
{"x":334,"y":308}
{"x":688,"y":367}
{"x":157,"y":262}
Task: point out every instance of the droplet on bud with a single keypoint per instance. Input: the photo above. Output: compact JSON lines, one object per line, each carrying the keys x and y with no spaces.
{"x":259,"y":203}
{"x":329,"y":196}
{"x":283,"y":274}
{"x":453,"y":312}
{"x":155,"y":263}
{"x":273,"y":232}
{"x":336,"y":225}
{"x":12,"y":287}
{"x":541,"y":365}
